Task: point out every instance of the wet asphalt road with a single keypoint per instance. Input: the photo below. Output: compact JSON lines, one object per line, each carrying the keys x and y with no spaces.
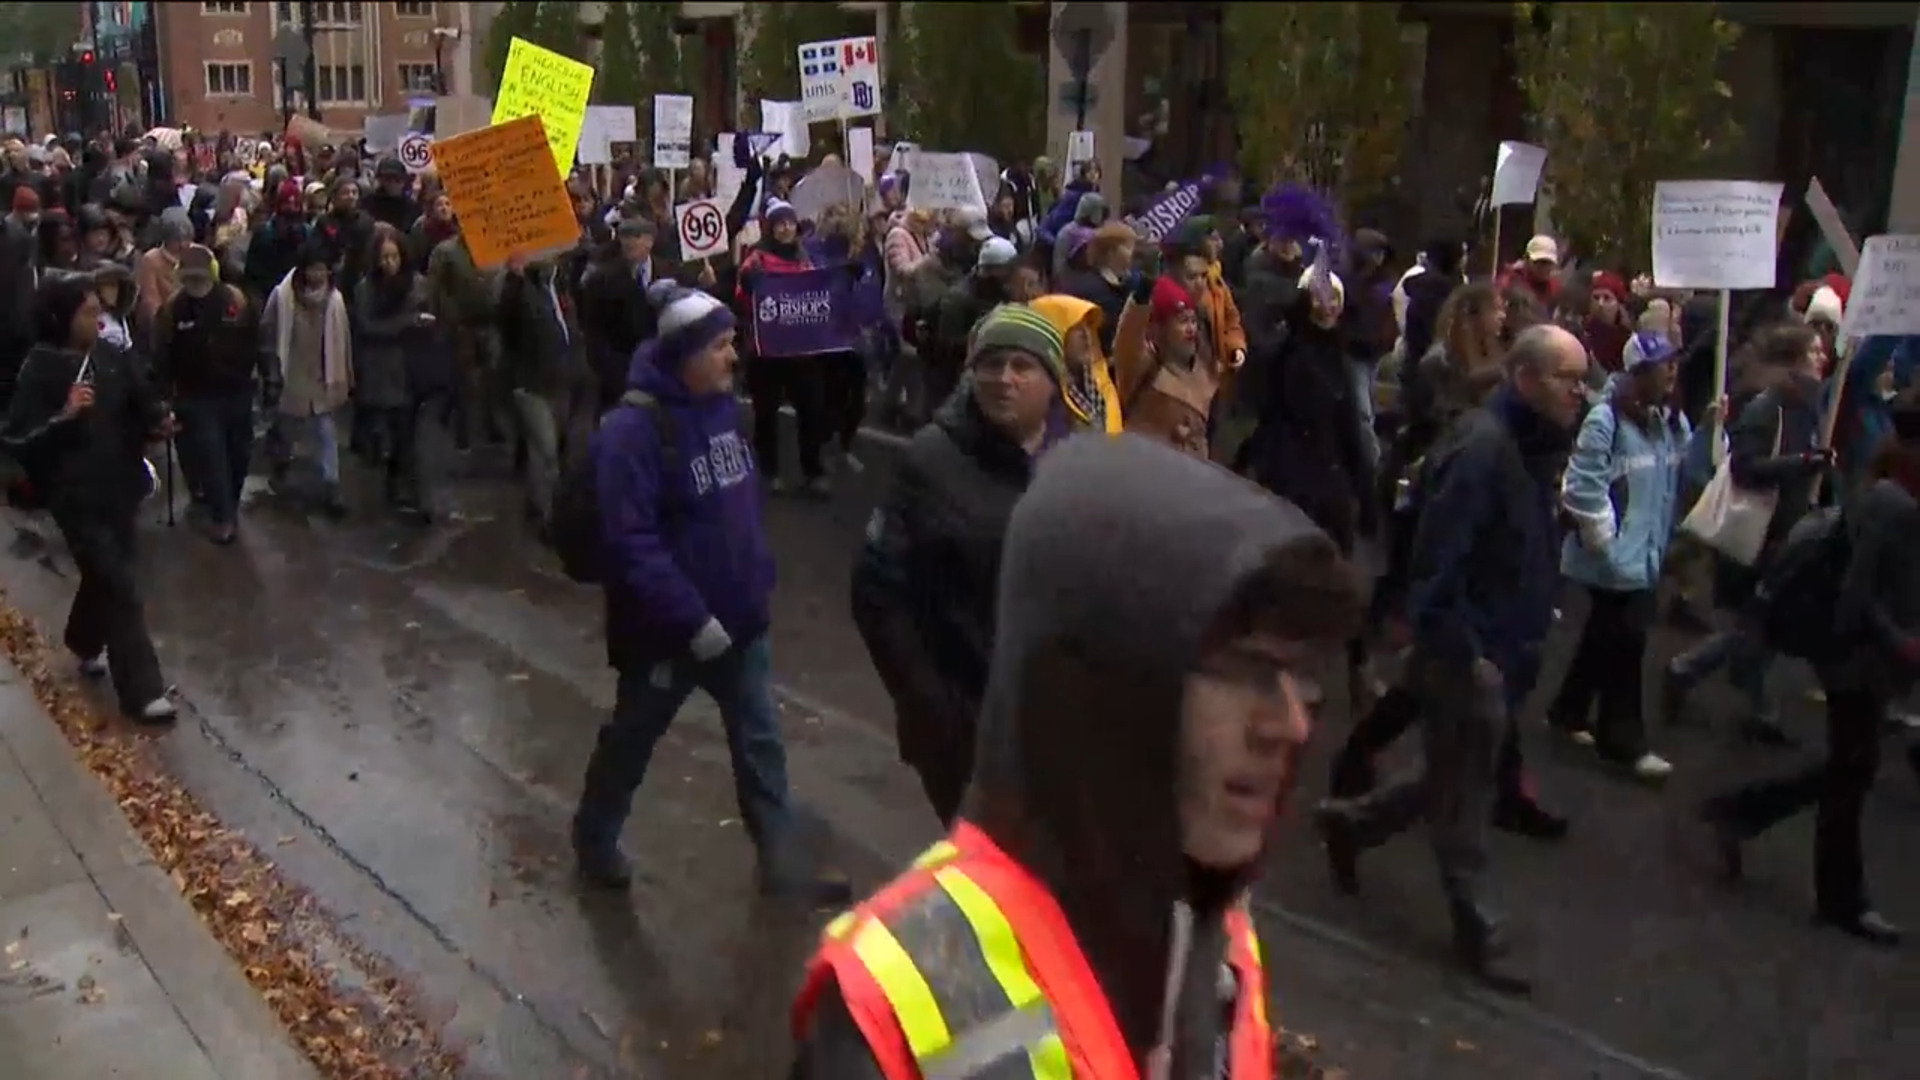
{"x":402,"y":716}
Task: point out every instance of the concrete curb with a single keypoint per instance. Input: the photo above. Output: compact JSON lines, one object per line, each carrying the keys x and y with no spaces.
{"x":241,"y":1036}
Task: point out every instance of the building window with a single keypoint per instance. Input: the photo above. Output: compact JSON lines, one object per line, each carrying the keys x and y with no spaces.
{"x":229,"y":80}
{"x":224,"y":7}
{"x":338,"y":14}
{"x":418,"y":77}
{"x":415,"y":10}
{"x":341,"y":84}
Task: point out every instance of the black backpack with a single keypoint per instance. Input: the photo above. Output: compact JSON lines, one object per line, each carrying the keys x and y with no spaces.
{"x":1800,"y":585}
{"x":574,"y":532}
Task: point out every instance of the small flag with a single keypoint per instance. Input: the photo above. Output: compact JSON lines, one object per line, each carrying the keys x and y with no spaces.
{"x":857,"y":51}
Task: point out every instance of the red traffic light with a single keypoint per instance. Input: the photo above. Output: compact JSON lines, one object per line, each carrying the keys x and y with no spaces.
{"x":111,"y":81}
{"x":87,"y":57}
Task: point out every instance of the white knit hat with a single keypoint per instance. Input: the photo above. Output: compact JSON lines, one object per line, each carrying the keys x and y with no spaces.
{"x":690,"y":320}
{"x":1825,"y":305}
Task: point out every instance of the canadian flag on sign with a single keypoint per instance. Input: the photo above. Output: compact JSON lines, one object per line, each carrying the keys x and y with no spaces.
{"x":858,"y":51}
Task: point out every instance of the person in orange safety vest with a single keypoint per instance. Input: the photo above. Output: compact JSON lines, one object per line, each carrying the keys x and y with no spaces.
{"x":1149,"y":693}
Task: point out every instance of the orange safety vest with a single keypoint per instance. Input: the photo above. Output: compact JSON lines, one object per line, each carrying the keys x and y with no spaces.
{"x":964,"y":965}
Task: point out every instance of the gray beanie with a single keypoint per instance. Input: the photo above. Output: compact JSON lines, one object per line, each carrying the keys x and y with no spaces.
{"x":175,"y":224}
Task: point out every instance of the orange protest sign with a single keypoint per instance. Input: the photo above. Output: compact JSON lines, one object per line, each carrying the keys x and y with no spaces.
{"x":506,"y":191}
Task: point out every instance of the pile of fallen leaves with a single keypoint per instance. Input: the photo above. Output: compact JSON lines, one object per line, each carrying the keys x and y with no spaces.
{"x":1293,"y":1058}
{"x":372,"y":1032}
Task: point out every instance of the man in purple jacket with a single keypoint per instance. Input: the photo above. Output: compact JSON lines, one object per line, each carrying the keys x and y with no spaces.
{"x":688,"y":578}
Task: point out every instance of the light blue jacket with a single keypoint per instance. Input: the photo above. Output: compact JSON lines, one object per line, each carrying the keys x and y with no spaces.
{"x":1622,"y":489}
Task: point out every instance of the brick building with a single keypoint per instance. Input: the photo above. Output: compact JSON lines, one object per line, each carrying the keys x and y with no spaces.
{"x":219,"y":72}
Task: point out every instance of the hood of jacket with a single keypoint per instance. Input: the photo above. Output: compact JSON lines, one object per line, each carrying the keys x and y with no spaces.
{"x":1066,"y":312}
{"x":1076,"y":771}
{"x":122,"y":276}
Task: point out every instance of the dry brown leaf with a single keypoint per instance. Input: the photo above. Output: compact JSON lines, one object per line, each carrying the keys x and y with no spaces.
{"x":237,"y":892}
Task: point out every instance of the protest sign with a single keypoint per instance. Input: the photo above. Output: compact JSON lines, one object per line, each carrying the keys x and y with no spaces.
{"x":383,"y":133}
{"x":1886,"y":291}
{"x":1166,"y":213}
{"x":943,"y":182}
{"x":1079,"y":149}
{"x":506,"y":191}
{"x":825,"y":187}
{"x":541,"y":82}
{"x":788,"y":120}
{"x":702,"y":225}
{"x":860,"y":152}
{"x":603,"y":126}
{"x":416,"y":152}
{"x":1714,"y":234}
{"x":1832,"y":229}
{"x":1516,"y":173}
{"x":803,"y":314}
{"x":672,"y":131}
{"x":840,"y":79}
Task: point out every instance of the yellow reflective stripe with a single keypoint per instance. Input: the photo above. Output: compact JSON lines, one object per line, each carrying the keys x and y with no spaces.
{"x":942,"y":852}
{"x":997,"y":941}
{"x":906,"y":989}
{"x":1048,"y":1057}
{"x":1253,"y":944}
{"x":841,"y":925}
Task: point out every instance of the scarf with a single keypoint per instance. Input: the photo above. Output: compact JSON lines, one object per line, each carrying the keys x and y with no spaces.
{"x":336,"y":333}
{"x":1084,"y":398}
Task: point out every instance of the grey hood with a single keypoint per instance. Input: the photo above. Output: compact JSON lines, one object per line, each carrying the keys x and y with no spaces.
{"x":1118,"y":563}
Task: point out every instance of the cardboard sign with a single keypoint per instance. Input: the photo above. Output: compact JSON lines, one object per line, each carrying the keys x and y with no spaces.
{"x":702,"y":225}
{"x":541,"y":82}
{"x":1714,"y":234}
{"x":507,"y":192}
{"x":1886,"y":289}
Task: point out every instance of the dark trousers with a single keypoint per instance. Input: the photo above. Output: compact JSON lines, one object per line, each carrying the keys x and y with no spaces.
{"x":1393,"y":715}
{"x":1837,"y":787}
{"x":793,"y":380}
{"x":107,"y":611}
{"x":1606,"y":671}
{"x":843,"y":379}
{"x":647,"y":698}
{"x":216,"y":449}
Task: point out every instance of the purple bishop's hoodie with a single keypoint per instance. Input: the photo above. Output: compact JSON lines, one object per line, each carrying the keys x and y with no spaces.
{"x":683,"y":539}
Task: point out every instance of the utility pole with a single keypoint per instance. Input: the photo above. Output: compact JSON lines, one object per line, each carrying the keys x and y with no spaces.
{"x":313,"y":73}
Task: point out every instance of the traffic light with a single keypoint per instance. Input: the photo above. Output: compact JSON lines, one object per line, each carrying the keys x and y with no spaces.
{"x":87,"y":58}
{"x":112,"y":80}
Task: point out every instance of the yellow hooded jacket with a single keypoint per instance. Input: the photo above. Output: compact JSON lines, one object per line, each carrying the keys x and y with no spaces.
{"x":1065,"y":313}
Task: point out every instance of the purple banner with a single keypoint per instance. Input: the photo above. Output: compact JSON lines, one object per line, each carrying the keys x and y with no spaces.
{"x":804,"y":313}
{"x":1167,"y":212}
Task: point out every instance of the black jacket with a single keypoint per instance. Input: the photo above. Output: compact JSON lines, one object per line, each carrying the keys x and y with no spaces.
{"x":923,"y":585}
{"x":92,"y":462}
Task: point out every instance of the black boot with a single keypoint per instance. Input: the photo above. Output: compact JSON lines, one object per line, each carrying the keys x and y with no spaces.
{"x":602,"y":865}
{"x":1523,"y":815}
{"x":1481,"y":944}
{"x":1727,"y":841}
{"x":783,"y":877}
{"x":1343,"y":847}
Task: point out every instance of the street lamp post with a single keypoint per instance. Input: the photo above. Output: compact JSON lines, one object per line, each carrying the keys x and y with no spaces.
{"x":313,"y":74}
{"x":442,"y":35}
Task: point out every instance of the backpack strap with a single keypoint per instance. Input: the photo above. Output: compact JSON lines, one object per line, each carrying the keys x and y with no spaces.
{"x":662,"y":425}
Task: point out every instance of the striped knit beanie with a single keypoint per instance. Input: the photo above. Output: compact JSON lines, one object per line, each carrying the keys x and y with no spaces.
{"x":1017,"y":326}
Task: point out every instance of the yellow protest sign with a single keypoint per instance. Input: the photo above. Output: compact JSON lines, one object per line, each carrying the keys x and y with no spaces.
{"x":507,"y":193}
{"x":541,"y":82}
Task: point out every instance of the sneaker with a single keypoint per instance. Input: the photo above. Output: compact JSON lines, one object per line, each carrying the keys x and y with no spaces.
{"x":1652,"y":768}
{"x":158,"y":711}
{"x":94,"y":667}
{"x":854,"y":465}
{"x":1581,"y":737}
{"x":818,"y":488}
{"x":604,"y":867}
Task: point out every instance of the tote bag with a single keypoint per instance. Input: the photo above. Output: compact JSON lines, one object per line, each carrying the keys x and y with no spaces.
{"x":1730,"y":519}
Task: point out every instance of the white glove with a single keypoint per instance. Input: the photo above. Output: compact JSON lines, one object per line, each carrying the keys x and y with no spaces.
{"x":711,"y":642}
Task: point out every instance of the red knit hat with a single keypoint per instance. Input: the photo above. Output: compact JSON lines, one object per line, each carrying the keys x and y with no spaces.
{"x":1169,"y":300}
{"x":1840,"y":285}
{"x":25,"y":199}
{"x":1608,"y":281}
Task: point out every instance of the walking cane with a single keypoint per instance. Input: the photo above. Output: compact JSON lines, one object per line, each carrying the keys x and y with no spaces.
{"x":169,"y":482}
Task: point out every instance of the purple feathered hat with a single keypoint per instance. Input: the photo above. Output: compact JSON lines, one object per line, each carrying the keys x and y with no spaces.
{"x":1299,"y":213}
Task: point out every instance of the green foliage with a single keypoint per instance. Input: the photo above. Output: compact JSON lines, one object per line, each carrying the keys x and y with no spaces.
{"x":640,"y":56}
{"x":620,"y":80}
{"x":556,"y":26}
{"x":1622,"y":96}
{"x":47,"y":31}
{"x":944,"y":90}
{"x":515,"y":19}
{"x":546,"y":23}
{"x":770,"y":61}
{"x":1319,"y":94}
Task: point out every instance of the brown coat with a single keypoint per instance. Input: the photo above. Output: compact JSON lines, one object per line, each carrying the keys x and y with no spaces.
{"x":1158,"y":400}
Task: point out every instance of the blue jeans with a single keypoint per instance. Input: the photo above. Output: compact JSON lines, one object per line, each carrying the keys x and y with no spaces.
{"x":647,"y":699}
{"x":1362,"y":375}
{"x":1747,"y":663}
{"x":216,"y":447}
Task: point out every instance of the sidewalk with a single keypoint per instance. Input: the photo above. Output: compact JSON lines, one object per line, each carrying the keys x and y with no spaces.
{"x":105,"y":970}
